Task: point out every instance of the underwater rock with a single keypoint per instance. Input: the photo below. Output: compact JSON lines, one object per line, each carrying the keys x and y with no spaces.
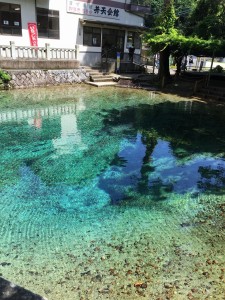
{"x":88,"y":272}
{"x":4,"y":264}
{"x":104,"y":290}
{"x":186,"y":224}
{"x":142,"y":285}
{"x":96,"y":278}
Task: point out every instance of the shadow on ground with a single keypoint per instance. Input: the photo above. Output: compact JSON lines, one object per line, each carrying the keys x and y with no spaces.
{"x":10,"y":291}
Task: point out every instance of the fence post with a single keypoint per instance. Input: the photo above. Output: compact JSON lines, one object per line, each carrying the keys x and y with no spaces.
{"x":76,"y":51}
{"x":13,"y":50}
{"x":48,"y":52}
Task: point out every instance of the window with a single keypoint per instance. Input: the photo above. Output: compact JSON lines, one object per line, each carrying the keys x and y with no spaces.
{"x":10,"y":19}
{"x":92,"y":36}
{"x":48,"y":23}
{"x":133,"y":38}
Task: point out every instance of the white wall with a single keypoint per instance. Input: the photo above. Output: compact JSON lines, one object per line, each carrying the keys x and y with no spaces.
{"x":68,"y":24}
{"x":27,"y":15}
{"x":71,"y":32}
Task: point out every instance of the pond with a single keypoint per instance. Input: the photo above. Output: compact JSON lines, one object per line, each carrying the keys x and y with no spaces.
{"x":112,"y":194}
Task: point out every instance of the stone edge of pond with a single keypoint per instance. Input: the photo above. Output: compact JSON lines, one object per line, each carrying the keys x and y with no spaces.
{"x":11,"y":291}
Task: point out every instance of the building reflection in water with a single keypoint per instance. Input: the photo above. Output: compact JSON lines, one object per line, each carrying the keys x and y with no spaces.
{"x":70,"y":135}
{"x":70,"y":138}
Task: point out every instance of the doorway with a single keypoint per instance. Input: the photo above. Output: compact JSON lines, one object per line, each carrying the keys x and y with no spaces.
{"x":112,"y":42}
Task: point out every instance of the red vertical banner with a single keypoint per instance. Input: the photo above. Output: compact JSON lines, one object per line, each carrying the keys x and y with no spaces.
{"x":33,"y":34}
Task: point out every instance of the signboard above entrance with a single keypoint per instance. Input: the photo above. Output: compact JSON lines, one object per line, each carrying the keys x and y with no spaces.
{"x":90,"y":9}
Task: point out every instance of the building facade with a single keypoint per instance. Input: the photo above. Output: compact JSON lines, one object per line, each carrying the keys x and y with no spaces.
{"x":100,"y":28}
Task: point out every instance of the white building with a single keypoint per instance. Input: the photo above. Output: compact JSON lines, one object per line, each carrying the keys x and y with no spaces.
{"x":98,"y":27}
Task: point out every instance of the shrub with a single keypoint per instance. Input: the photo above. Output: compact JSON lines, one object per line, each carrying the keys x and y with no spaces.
{"x":218,"y":69}
{"x":4,"y":77}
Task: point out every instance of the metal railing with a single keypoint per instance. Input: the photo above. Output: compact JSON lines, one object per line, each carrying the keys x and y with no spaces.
{"x":108,"y":54}
{"x":142,"y":60}
{"x":32,"y":52}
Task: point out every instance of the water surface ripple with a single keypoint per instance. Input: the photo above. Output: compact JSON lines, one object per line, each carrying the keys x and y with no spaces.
{"x":112,"y":194}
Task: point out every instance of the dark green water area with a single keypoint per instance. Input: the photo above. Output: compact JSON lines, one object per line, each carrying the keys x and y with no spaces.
{"x":112,"y":193}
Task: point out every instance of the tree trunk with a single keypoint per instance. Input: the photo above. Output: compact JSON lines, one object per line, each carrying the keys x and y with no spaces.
{"x":164,"y":69}
{"x":179,"y":65}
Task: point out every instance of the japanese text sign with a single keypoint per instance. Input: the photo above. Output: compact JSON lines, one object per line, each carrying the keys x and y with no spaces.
{"x":91,"y":9}
{"x":33,"y":34}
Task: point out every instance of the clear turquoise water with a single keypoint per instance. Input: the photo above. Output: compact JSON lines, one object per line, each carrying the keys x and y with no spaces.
{"x":103,"y":189}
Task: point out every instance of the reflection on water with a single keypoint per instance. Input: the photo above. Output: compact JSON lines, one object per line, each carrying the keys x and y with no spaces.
{"x":162,"y":174}
{"x":70,"y":136}
{"x":155,"y":149}
{"x":113,"y":189}
{"x":169,"y":149}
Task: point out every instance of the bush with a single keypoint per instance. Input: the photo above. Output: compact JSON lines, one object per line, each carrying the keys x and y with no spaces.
{"x":4,"y":77}
{"x":218,"y":69}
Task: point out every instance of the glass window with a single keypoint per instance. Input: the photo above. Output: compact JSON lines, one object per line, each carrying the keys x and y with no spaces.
{"x":10,"y":19}
{"x":113,"y":42}
{"x":48,"y":23}
{"x":133,"y":38}
{"x":92,"y":36}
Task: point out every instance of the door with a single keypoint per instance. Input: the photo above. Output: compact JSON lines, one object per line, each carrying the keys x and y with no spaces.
{"x":112,"y":42}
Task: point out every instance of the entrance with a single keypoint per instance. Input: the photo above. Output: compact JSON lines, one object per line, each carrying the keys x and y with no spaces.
{"x":112,"y":42}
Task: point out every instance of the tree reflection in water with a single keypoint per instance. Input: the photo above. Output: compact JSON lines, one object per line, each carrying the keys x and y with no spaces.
{"x":172,"y":147}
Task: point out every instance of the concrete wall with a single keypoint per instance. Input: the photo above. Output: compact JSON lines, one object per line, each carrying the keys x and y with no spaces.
{"x":9,"y":64}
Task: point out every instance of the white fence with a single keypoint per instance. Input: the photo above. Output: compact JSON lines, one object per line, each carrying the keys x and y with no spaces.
{"x":31,"y":52}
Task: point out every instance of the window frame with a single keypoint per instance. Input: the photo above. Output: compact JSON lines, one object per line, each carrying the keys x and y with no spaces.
{"x":92,"y":36}
{"x":45,"y":22}
{"x":13,"y":17}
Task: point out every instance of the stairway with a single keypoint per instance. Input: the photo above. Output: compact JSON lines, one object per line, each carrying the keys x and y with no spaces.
{"x":98,"y":78}
{"x":211,"y":93}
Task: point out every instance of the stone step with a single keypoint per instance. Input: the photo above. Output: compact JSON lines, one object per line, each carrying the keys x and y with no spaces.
{"x":94,"y":72}
{"x":101,"y":79}
{"x":96,"y":76}
{"x":102,"y":84}
{"x":92,"y":69}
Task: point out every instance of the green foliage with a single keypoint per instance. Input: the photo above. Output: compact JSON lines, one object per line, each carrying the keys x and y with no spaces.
{"x":199,"y":29}
{"x":160,"y":36}
{"x":207,"y":20}
{"x":4,"y":77}
{"x":182,"y":9}
{"x":218,"y":69}
{"x":166,"y":20}
{"x":178,"y":42}
{"x":166,"y":34}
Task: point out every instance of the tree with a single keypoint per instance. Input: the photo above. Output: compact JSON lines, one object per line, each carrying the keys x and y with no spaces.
{"x":208,"y":20}
{"x":166,"y":37}
{"x":159,"y":37}
{"x":182,"y":9}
